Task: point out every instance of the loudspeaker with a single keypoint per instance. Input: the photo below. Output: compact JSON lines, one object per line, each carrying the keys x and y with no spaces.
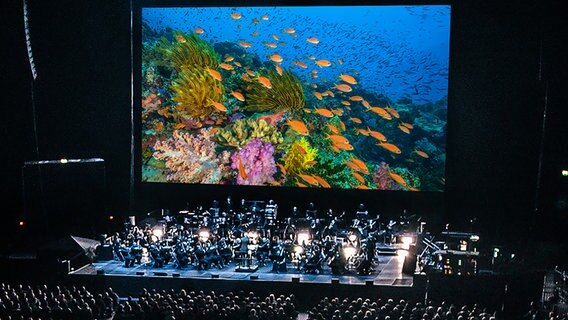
{"x":175,"y":275}
{"x":100,"y":271}
{"x":139,"y":273}
{"x":334,"y":281}
{"x":295,"y":280}
{"x":63,"y":198}
{"x":254,"y":277}
{"x":369,"y":283}
{"x":161,"y":274}
{"x":214,"y":276}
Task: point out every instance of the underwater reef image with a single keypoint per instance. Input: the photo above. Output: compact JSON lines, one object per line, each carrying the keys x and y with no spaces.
{"x":351,"y":97}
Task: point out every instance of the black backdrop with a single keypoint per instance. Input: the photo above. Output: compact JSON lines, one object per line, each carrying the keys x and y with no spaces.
{"x":505,"y":60}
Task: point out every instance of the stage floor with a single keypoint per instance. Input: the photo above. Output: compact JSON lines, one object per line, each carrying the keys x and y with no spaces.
{"x":387,"y":272}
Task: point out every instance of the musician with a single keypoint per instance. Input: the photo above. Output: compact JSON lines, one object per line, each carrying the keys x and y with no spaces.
{"x":278,"y":255}
{"x":311,"y":211}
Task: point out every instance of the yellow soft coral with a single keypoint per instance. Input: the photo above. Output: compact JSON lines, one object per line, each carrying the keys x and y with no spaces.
{"x":300,"y":157}
{"x":242,"y":131}
{"x":191,"y":51}
{"x":195,"y":91}
{"x":286,"y":93}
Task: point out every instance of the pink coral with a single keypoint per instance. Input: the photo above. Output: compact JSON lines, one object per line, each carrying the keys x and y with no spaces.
{"x":192,"y":158}
{"x":257,"y":162}
{"x":383,"y":180}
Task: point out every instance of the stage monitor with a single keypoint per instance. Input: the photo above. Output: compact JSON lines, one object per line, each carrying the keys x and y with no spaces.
{"x":327,"y":96}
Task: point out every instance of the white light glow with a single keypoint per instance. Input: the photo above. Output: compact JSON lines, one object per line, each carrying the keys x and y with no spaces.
{"x":401,"y":253}
{"x":407,"y":240}
{"x":303,"y":238}
{"x":158,"y":232}
{"x":349,"y":252}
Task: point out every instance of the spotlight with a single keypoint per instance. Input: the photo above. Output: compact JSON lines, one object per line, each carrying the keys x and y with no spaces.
{"x":298,"y":250}
{"x":352,"y":237}
{"x":158,"y":232}
{"x":349,"y":251}
{"x":406,"y":240}
{"x":111,"y":217}
{"x":21,"y":223}
{"x":303,"y":237}
{"x":63,"y":160}
{"x":204,"y":235}
{"x":565,"y":173}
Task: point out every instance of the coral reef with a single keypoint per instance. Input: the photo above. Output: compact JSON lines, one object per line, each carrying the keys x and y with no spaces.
{"x":255,"y":163}
{"x":300,"y":157}
{"x":192,"y":158}
{"x":286,"y":93}
{"x":383,"y":180}
{"x":242,"y":131}
{"x":193,"y":94}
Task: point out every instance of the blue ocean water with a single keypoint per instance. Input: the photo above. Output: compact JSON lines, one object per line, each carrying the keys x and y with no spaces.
{"x":398,"y":51}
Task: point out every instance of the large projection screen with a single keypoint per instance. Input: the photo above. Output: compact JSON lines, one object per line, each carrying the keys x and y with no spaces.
{"x":347,"y":97}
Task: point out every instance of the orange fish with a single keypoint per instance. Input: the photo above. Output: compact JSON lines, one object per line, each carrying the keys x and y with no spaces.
{"x":301,"y":185}
{"x":337,"y":112}
{"x":255,"y":21}
{"x":228,"y":58}
{"x":393,"y":112}
{"x":275,"y":37}
{"x":278,"y":70}
{"x":356,"y":120}
{"x":381,"y":112}
{"x":332,"y":128}
{"x":298,"y":126}
{"x":363,"y":187}
{"x":199,"y":30}
{"x":289,"y":31}
{"x":408,"y":125}
{"x":238,"y":64}
{"x":254,"y":33}
{"x":242,"y":171}
{"x":323,"y":63}
{"x":300,"y":149}
{"x":226,"y":66}
{"x":362,"y":131}
{"x":236,"y":15}
{"x":336,"y":138}
{"x":300,"y":64}
{"x":397,"y":178}
{"x":362,"y":166}
{"x":340,"y":61}
{"x":313,"y":40}
{"x":321,"y":181}
{"x":246,"y":77}
{"x":310,"y":163}
{"x":345,"y":103}
{"x":422,"y":154}
{"x":377,"y":135}
{"x":219,"y":106}
{"x":251,"y":73}
{"x":344,"y":146}
{"x":356,"y":98}
{"x":245,"y":44}
{"x":347,"y":78}
{"x":318,"y":95}
{"x":238,"y":95}
{"x":264,"y":17}
{"x":352,"y":165}
{"x":309,"y":179}
{"x":265,"y":82}
{"x":270,"y":45}
{"x":180,"y":38}
{"x":358,"y":177}
{"x":404,"y":129}
{"x":273,"y":119}
{"x":412,"y":189}
{"x":390,"y":147}
{"x":343,"y":87}
{"x":335,"y":149}
{"x":366,"y":104}
{"x":330,"y":93}
{"x":342,"y":125}
{"x":324,"y":112}
{"x":215,"y":74}
{"x":282,"y":169}
{"x":276,"y":58}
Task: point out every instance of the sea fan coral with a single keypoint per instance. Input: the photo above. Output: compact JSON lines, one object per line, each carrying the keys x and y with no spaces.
{"x":255,"y":163}
{"x":242,"y":131}
{"x":195,"y":92}
{"x":382,"y":178}
{"x":191,"y":51}
{"x":299,"y":157}
{"x":192,"y":158}
{"x":286,"y":93}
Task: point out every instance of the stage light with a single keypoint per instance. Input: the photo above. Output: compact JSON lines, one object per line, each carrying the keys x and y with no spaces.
{"x":303,"y":238}
{"x":565,"y":173}
{"x":252,"y":235}
{"x":401,"y":253}
{"x":111,"y":217}
{"x":64,"y":160}
{"x":298,"y":250}
{"x":349,"y":251}
{"x":158,"y":232}
{"x":21,"y":223}
{"x":407,"y":240}
{"x":474,"y":238}
{"x":204,"y":235}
